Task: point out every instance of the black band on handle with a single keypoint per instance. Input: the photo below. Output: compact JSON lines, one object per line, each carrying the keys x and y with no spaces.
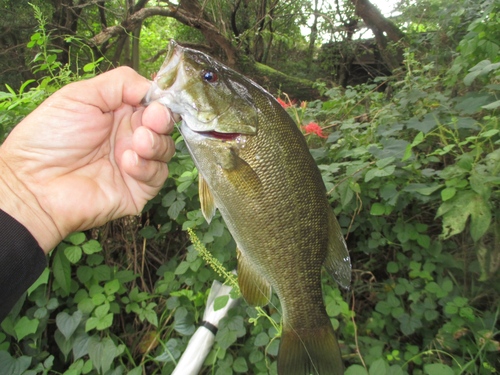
{"x":209,"y":326}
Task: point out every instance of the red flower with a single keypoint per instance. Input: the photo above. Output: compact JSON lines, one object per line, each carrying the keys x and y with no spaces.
{"x":314,"y":128}
{"x":285,"y":105}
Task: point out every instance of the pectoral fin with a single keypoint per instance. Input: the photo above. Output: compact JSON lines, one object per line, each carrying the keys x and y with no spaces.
{"x":242,"y":176}
{"x":337,"y":262}
{"x":254,"y":288}
{"x":208,"y":206}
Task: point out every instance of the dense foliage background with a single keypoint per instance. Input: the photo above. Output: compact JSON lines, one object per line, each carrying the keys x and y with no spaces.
{"x":408,"y":149}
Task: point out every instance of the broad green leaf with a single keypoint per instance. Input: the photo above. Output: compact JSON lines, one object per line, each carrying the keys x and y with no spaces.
{"x":25,"y":327}
{"x":12,"y":366}
{"x":379,"y":367}
{"x":91,"y":247}
{"x":43,"y":279}
{"x":73,"y":253}
{"x":76,"y":238}
{"x":182,"y":268}
{"x":102,"y":273}
{"x":63,"y":343}
{"x":356,"y":370}
{"x":392,"y":267}
{"x":67,"y":324}
{"x":176,"y":208}
{"x":225,"y":338}
{"x":261,"y":339}
{"x":240,"y":365}
{"x":220,"y":302}
{"x":456,"y":211}
{"x":148,"y":232}
{"x":493,"y":105}
{"x":84,"y":273}
{"x":62,"y":270}
{"x":438,"y":369}
{"x":80,"y":345}
{"x":169,"y":198}
{"x":448,"y":193}
{"x":112,"y":287}
{"x":102,"y":353}
{"x":136,"y":371}
{"x":377,"y":209}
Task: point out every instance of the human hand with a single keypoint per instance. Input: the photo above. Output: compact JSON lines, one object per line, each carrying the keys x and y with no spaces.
{"x":87,"y":155}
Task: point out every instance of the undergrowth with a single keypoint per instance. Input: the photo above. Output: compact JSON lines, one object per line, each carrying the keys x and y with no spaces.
{"x":414,"y":180}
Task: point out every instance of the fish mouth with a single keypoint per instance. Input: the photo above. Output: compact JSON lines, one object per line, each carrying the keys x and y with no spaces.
{"x":219,"y":135}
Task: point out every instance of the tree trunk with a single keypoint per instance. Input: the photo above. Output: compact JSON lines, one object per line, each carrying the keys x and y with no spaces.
{"x":313,"y":35}
{"x":135,"y":48}
{"x":380,"y":25}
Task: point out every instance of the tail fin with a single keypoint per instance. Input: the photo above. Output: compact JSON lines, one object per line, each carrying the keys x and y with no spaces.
{"x":309,"y":352}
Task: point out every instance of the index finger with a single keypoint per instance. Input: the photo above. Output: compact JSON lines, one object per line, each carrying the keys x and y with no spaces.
{"x":108,"y":91}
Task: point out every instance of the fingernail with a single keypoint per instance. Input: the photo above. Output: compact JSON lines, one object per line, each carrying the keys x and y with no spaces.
{"x":136,"y":159}
{"x":153,"y":141}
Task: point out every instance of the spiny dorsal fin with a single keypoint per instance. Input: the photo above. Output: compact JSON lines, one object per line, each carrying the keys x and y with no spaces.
{"x":337,"y":262}
{"x":208,"y":206}
{"x":254,"y":288}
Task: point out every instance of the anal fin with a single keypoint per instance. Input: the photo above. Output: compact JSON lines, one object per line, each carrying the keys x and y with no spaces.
{"x":208,"y":206}
{"x":338,"y":261}
{"x":255,"y":288}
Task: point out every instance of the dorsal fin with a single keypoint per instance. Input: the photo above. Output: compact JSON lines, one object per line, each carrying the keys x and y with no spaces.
{"x":207,"y":202}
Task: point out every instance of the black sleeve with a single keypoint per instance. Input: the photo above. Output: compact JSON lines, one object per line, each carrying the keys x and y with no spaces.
{"x":22,"y":261}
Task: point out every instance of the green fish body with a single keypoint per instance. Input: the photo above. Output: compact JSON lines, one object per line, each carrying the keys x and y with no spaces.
{"x":256,"y":168}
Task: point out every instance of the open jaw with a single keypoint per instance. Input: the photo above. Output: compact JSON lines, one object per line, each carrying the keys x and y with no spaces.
{"x":221,"y":136}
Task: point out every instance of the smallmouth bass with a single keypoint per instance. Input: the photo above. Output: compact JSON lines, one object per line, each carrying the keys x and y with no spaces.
{"x":255,"y":167}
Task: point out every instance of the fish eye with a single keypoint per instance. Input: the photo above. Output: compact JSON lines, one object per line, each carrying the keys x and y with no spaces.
{"x":209,"y":76}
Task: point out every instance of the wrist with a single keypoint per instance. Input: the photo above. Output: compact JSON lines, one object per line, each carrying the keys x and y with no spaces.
{"x":20,"y":203}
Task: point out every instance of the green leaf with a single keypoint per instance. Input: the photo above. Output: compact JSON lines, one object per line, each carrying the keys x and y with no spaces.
{"x":76,"y":238}
{"x":493,"y":105}
{"x":169,"y":198}
{"x":89,"y":67}
{"x":225,"y":338}
{"x":220,"y":302}
{"x":392,"y":267}
{"x":175,"y":209}
{"x":377,"y":209}
{"x":136,"y":371}
{"x":84,"y":273}
{"x":356,"y":370}
{"x":182,"y":268}
{"x":102,"y":273}
{"x":43,"y":279}
{"x":261,"y":339}
{"x":148,"y":232}
{"x":102,"y":353}
{"x":91,"y":247}
{"x":68,"y":324}
{"x":240,"y":365}
{"x":25,"y":327}
{"x":112,"y":287}
{"x":73,"y":253}
{"x":456,"y":211}
{"x":62,"y":270}
{"x":438,"y":369}
{"x":448,"y":193}
{"x":12,"y":366}
{"x":379,"y":367}
{"x":80,"y":345}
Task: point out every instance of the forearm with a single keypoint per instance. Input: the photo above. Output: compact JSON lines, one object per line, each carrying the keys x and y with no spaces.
{"x":21,"y":262}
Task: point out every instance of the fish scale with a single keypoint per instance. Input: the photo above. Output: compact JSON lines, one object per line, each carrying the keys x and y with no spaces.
{"x":271,"y":195}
